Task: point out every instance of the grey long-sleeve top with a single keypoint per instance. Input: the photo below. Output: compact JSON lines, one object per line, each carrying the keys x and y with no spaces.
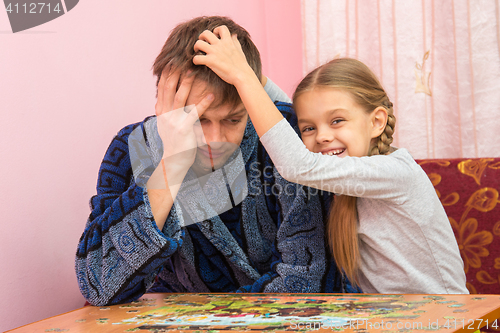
{"x":406,"y":241}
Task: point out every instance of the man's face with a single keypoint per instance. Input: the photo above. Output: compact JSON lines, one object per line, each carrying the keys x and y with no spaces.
{"x":219,"y":130}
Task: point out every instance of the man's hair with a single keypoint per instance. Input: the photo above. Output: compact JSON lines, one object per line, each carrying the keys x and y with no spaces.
{"x":178,"y":53}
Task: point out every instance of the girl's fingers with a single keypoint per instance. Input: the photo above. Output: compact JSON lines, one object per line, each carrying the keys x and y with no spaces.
{"x":206,"y":41}
{"x":222,"y":32}
{"x":200,"y":46}
{"x":208,"y":37}
{"x":199,"y":60}
{"x":237,"y":42}
{"x":182,"y":93}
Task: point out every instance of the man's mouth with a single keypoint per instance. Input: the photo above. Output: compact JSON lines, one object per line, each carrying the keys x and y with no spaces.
{"x":333,"y":152}
{"x":211,"y":153}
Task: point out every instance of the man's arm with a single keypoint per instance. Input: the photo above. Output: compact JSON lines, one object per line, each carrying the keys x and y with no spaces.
{"x":132,"y":230}
{"x":275,"y":93}
{"x":121,"y":249}
{"x":161,"y":198}
{"x":175,"y":127}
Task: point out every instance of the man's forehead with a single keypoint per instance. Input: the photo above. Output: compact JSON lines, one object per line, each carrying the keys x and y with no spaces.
{"x":200,"y":89}
{"x":225,"y":110}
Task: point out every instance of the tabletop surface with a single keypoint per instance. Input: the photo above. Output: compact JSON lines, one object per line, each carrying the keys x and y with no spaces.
{"x":282,"y":312}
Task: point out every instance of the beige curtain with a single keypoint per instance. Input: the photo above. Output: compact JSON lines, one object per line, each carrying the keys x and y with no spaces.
{"x":437,"y":59}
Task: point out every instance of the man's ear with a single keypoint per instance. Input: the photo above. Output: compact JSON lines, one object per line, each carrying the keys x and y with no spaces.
{"x":379,"y":121}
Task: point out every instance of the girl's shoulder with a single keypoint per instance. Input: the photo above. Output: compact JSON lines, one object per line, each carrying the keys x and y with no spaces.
{"x":402,"y":162}
{"x":401,"y":153}
{"x":396,"y":153}
{"x":407,"y":163}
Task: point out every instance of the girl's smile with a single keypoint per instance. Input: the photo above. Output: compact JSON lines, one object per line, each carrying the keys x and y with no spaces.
{"x":332,"y":123}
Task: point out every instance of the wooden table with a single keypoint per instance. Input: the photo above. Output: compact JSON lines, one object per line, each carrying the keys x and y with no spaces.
{"x":282,"y":312}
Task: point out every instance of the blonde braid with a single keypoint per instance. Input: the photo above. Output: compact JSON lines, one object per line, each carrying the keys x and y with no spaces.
{"x":383,"y":145}
{"x":356,"y":78}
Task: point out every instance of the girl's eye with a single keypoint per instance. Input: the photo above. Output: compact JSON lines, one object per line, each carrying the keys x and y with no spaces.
{"x":337,"y":121}
{"x":307,"y":129}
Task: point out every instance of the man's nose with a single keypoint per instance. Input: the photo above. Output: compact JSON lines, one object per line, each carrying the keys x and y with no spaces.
{"x":213,"y":134}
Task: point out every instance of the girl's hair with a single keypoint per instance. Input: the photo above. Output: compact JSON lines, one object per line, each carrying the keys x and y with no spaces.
{"x":356,"y":78}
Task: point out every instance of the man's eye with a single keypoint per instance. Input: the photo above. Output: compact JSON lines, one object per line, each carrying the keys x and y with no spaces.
{"x":200,"y":122}
{"x":234,"y":121}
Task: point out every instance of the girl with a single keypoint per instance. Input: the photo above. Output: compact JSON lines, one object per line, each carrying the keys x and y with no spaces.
{"x":387,"y":229}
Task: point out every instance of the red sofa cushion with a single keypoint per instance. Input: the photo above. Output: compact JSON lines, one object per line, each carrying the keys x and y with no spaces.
{"x":468,"y":189}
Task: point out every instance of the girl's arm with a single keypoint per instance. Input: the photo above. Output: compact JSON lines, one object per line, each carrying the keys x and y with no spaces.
{"x":223,"y":54}
{"x":374,"y":177}
{"x":379,"y":176}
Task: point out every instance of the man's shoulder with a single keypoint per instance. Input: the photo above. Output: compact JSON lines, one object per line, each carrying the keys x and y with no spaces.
{"x":125,"y":131}
{"x":288,"y":113}
{"x":118,"y":150}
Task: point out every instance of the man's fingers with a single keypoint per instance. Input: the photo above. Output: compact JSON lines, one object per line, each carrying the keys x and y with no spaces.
{"x":204,"y":104}
{"x":199,"y":109}
{"x":182,"y":93}
{"x":160,"y":88}
{"x":169,"y":91}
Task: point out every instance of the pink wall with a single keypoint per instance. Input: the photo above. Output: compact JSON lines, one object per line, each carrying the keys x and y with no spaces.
{"x":66,"y":88}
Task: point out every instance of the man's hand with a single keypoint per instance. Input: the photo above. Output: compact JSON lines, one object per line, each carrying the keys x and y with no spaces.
{"x":175,"y":123}
{"x":223,"y":54}
{"x":175,"y":120}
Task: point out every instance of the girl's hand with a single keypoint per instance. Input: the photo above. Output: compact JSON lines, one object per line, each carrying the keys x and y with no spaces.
{"x":176,"y":121}
{"x":223,"y":55}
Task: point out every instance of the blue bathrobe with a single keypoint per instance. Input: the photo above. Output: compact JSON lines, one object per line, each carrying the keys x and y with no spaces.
{"x":273,"y":241}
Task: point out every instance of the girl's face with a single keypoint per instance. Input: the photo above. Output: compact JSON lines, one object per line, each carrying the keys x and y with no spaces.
{"x":332,"y":123}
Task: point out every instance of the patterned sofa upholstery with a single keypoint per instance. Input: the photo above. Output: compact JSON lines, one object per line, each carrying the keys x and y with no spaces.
{"x":468,"y":189}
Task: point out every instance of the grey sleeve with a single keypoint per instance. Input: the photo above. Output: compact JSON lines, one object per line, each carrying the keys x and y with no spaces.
{"x":379,"y":176}
{"x":275,"y":93}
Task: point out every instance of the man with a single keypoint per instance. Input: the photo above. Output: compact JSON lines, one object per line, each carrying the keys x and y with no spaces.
{"x":155,"y":224}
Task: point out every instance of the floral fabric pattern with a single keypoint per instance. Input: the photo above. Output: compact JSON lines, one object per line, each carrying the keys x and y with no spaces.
{"x":469,"y":192}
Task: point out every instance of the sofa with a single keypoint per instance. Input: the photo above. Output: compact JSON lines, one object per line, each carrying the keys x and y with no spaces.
{"x":468,"y":189}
